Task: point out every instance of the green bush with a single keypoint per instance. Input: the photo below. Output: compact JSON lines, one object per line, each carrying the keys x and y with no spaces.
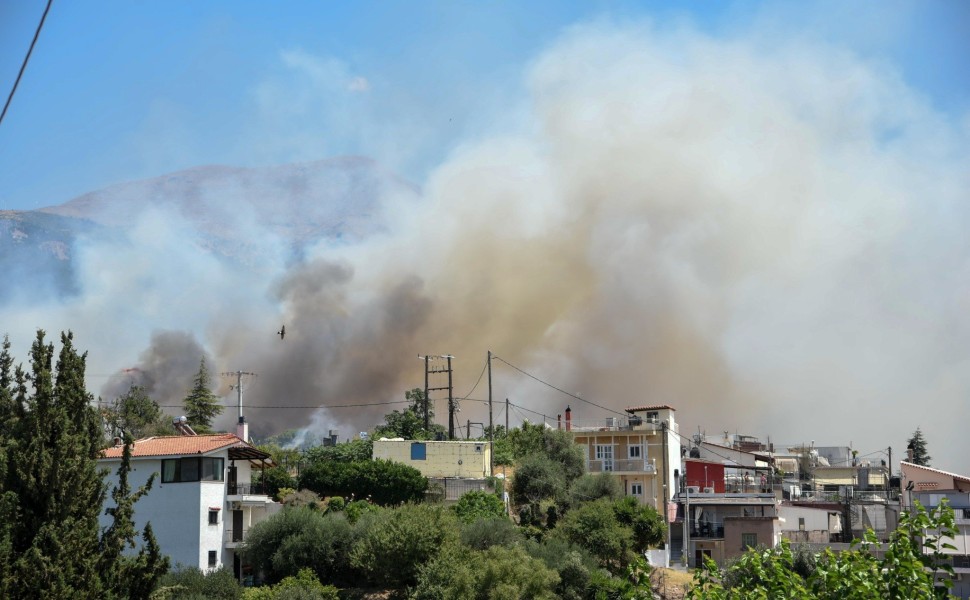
{"x":274,"y":480}
{"x":591,"y":487}
{"x":646,"y":523}
{"x":299,"y":538}
{"x":498,"y":573}
{"x":190,"y":582}
{"x":485,"y":533}
{"x":383,"y":482}
{"x":479,"y":505}
{"x":397,"y":541}
{"x":305,"y":586}
{"x":595,"y":527}
{"x":904,"y":571}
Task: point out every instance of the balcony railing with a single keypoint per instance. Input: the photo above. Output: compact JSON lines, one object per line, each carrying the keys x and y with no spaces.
{"x":624,"y":465}
{"x":246,"y":489}
{"x":234,"y":536}
{"x":616,"y":424}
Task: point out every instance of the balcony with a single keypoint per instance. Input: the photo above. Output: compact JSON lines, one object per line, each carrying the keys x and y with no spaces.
{"x":616,"y":424}
{"x":621,"y":465}
{"x":233,"y":538}
{"x":246,"y":489}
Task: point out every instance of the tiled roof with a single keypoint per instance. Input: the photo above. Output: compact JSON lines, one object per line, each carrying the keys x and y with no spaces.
{"x":937,"y":471}
{"x":656,"y":407}
{"x":177,"y":445}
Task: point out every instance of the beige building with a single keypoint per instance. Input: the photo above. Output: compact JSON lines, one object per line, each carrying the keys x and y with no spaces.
{"x":444,"y":459}
{"x":643,"y":450}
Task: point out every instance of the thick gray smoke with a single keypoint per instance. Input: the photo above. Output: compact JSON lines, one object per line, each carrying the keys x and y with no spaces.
{"x":774,"y":242}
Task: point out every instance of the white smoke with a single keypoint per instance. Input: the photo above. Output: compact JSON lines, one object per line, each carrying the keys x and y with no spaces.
{"x":772,"y":240}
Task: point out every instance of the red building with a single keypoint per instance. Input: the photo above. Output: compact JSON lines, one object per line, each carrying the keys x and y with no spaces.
{"x":704,"y":475}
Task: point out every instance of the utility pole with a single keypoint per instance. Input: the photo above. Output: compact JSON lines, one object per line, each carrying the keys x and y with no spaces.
{"x":506,"y":416}
{"x":685,"y":556}
{"x":428,"y":370}
{"x":427,"y":400}
{"x":239,"y":388}
{"x":451,"y":404}
{"x":491,"y":427}
{"x":663,"y":427}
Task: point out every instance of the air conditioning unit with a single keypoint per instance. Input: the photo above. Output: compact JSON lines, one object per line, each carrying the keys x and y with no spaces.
{"x":611,"y":421}
{"x":709,"y":490}
{"x":693,"y":489}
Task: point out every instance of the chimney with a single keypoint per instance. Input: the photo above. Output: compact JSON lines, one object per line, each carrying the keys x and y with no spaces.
{"x":569,"y":418}
{"x":242,"y":429}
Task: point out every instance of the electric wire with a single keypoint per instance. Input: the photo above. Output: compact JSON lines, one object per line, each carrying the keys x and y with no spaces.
{"x":560,"y":390}
{"x":480,"y":375}
{"x":306,"y":406}
{"x":26,"y":58}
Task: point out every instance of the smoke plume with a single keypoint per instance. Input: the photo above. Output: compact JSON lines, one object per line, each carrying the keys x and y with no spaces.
{"x":771,"y":240}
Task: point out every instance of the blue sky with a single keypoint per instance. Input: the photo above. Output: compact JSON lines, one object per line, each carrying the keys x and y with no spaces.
{"x":119,"y":90}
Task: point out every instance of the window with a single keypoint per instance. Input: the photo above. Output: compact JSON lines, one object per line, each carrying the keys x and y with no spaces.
{"x":419,"y":451}
{"x":801,"y":523}
{"x":966,"y":513}
{"x":653,"y":417}
{"x":636,"y":489}
{"x":604,"y":452}
{"x":213,"y":516}
{"x":749,"y":540}
{"x":178,"y":470}
{"x":635,"y":451}
{"x":213,"y":558}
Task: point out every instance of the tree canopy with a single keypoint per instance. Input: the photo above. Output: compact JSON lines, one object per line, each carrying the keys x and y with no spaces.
{"x":52,"y":492}
{"x":409,"y":423}
{"x":918,"y":445}
{"x":201,"y":405}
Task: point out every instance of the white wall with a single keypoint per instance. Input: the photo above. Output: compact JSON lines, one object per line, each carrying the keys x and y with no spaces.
{"x":816,"y":519}
{"x":212,"y":494}
{"x":172,"y":509}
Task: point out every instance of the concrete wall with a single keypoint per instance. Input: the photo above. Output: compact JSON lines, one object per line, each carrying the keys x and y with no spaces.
{"x":766,"y":530}
{"x":172,"y":509}
{"x":442,"y":459}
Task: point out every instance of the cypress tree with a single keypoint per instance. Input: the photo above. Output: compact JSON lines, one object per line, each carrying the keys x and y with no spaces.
{"x":51,"y":490}
{"x":201,"y":405}
{"x":918,"y":445}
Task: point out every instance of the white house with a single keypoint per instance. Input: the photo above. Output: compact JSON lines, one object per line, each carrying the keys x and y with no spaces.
{"x":203,"y":501}
{"x":930,"y":487}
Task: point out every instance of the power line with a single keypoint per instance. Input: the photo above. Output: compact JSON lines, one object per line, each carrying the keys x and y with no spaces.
{"x":305,"y":407}
{"x":26,"y":58}
{"x":546,"y":383}
{"x":480,"y":375}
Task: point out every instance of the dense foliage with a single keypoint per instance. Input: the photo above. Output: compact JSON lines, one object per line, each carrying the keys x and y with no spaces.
{"x":382,"y":481}
{"x":396,"y":543}
{"x":917,"y":444}
{"x":201,"y":405}
{"x":52,"y":492}
{"x":135,"y":414}
{"x":479,"y":505}
{"x":410,"y":423}
{"x":904,"y":572}
{"x":302,"y":538}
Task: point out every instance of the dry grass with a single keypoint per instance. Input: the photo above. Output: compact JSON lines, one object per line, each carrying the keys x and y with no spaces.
{"x":670,"y":584}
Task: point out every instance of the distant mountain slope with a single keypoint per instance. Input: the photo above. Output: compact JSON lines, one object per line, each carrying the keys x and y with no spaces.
{"x":301,"y":203}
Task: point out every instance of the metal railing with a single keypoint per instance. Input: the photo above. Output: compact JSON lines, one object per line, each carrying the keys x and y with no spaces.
{"x":234,"y":535}
{"x":246,"y":489}
{"x":626,"y":465}
{"x":615,"y":424}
